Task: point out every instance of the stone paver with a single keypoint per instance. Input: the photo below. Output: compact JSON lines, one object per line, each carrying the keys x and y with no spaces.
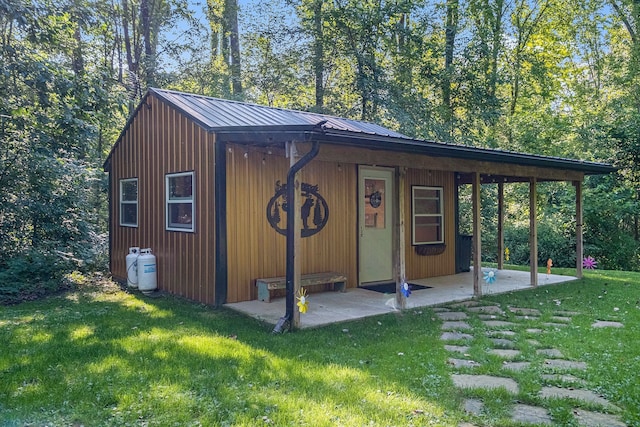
{"x":516,"y":366}
{"x":504,"y":332}
{"x":596,"y":419}
{"x":454,"y":336}
{"x":577,"y":394}
{"x":555,"y":325}
{"x":565,"y":378}
{"x":505,"y":354}
{"x":452,"y":315}
{"x":498,"y":323}
{"x":551,"y":352}
{"x":525,"y":311}
{"x":566,"y":313}
{"x":485,"y":382}
{"x":607,"y":324}
{"x":561,"y":319}
{"x":455,"y":324}
{"x":462,"y":363}
{"x":534,"y":343}
{"x":473,"y":406}
{"x":440,"y":309}
{"x":565,"y":364}
{"x":531,"y":415}
{"x":534,"y":331}
{"x":503,"y":342}
{"x":487,"y":309}
{"x":488,"y":317}
{"x":457,"y":348}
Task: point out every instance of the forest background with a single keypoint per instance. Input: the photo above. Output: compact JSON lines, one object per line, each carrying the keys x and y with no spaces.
{"x":551,"y":77}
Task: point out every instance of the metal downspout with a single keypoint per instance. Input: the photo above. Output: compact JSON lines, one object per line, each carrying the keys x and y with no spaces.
{"x":315,"y":148}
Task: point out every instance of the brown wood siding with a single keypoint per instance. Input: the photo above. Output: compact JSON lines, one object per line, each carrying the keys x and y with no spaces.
{"x":160,"y":141}
{"x":255,"y":250}
{"x":418,"y":266}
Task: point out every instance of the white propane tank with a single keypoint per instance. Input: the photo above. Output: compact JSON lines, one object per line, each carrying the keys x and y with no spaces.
{"x":132,"y":267}
{"x":147,"y":281}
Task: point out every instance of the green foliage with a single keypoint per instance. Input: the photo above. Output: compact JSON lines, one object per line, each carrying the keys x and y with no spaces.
{"x":30,"y":275}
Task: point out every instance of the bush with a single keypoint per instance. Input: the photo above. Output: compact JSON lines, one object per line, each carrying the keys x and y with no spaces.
{"x":30,"y":276}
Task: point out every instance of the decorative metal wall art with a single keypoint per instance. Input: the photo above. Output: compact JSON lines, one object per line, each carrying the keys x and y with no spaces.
{"x":314,"y":211}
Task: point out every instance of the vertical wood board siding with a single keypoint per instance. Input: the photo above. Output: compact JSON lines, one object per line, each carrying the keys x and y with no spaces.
{"x":255,"y":249}
{"x":418,"y":266}
{"x":158,"y":141}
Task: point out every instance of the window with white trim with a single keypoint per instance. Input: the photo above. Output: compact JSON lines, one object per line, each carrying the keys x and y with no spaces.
{"x":129,"y":202}
{"x":427,"y":216}
{"x":180,"y":201}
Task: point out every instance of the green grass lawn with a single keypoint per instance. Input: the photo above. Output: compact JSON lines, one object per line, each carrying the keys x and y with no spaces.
{"x":100,"y":356}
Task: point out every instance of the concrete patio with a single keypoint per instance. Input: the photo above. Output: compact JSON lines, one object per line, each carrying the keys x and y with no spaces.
{"x":333,"y":307}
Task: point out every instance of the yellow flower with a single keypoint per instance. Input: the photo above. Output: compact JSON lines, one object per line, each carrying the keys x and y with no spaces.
{"x":302,"y":304}
{"x":506,"y":254}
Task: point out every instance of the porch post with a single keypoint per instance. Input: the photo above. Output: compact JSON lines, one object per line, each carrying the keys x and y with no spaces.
{"x":297,"y":237}
{"x":533,"y":232}
{"x":500,"y":225}
{"x":477,"y":240}
{"x":579,"y":236}
{"x":401,"y":300}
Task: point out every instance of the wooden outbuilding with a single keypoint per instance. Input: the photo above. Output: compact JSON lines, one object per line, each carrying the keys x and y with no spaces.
{"x":206,"y":184}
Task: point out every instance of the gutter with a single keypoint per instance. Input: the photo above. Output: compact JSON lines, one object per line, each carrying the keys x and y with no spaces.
{"x":285,"y":321}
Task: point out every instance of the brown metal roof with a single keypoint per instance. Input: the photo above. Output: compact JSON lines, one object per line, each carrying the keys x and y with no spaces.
{"x":224,"y":115}
{"x":235,"y":121}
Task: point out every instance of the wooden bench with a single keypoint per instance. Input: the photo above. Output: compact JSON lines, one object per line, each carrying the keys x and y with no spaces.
{"x":339,"y":282}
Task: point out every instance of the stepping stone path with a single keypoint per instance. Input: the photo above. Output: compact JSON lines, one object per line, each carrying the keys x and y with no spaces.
{"x":501,"y":333}
{"x":503,"y":342}
{"x":463,"y":363}
{"x":607,"y":324}
{"x":457,"y":348}
{"x":531,"y":415}
{"x":457,"y":324}
{"x":490,"y":309}
{"x":576,"y":394}
{"x":525,"y":311}
{"x":565,"y":364}
{"x":486,"y":382}
{"x":455,"y":336}
{"x":452,"y":315}
{"x":596,"y":419}
{"x":551,"y":352}
{"x":557,"y":383}
{"x":498,"y":323}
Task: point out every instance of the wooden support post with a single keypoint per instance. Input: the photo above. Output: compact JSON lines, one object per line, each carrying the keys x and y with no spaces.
{"x":401,"y":301}
{"x":477,"y":240}
{"x":293,"y":158}
{"x":579,"y":236}
{"x":500,"y":225}
{"x":533,"y":232}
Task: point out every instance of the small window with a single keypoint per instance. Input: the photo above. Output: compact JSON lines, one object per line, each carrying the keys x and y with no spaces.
{"x":427,"y":216}
{"x":129,"y":202}
{"x":180,"y":203}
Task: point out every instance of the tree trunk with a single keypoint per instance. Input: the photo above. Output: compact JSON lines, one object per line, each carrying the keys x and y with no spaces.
{"x":231,"y":11}
{"x":451,"y":29}
{"x":318,"y":53}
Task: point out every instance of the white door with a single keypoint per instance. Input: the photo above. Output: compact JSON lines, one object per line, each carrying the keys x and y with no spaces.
{"x":376,"y":199}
